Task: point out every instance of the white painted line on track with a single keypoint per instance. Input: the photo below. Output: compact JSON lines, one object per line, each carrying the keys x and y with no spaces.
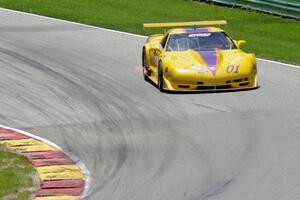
{"x":279,"y":63}
{"x":82,"y":166}
{"x":124,"y":33}
{"x":76,"y":23}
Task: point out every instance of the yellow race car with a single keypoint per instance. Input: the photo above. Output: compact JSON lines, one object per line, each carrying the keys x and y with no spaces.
{"x":194,"y":56}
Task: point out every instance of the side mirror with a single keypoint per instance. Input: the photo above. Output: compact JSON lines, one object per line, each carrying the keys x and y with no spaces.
{"x":240,"y":43}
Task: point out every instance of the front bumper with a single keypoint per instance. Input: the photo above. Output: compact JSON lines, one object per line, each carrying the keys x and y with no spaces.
{"x":225,"y":84}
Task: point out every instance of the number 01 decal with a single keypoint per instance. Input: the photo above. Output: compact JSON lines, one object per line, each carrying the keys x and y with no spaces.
{"x":232,"y":69}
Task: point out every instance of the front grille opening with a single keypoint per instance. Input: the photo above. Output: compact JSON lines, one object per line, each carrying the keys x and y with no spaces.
{"x":245,"y":79}
{"x":219,"y":87}
{"x":238,"y":80}
{"x":183,"y":86}
{"x":227,"y":82}
{"x":244,"y":84}
{"x":200,"y":83}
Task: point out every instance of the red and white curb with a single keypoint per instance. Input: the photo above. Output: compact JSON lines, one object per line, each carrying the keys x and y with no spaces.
{"x":62,"y":177}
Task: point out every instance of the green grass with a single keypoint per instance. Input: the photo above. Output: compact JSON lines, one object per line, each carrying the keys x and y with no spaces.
{"x":267,"y":36}
{"x":16,"y":180}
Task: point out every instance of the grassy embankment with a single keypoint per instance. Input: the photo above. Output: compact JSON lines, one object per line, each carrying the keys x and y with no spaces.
{"x":16,"y":176}
{"x":268,"y":36}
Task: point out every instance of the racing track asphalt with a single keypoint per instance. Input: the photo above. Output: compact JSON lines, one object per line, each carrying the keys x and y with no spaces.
{"x":78,"y":87}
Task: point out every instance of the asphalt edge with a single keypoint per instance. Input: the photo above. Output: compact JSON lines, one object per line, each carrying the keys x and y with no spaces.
{"x":76,"y":160}
{"x":124,"y":33}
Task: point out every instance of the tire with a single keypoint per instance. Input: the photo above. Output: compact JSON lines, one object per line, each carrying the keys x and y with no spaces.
{"x":145,"y":68}
{"x":160,"y":80}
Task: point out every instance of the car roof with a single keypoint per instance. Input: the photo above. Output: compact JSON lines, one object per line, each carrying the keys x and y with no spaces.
{"x":194,"y":30}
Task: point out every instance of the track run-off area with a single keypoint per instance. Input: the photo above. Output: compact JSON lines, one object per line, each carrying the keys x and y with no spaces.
{"x":78,"y":87}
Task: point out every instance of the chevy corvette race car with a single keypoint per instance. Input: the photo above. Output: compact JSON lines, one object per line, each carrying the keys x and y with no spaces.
{"x":197,"y":58}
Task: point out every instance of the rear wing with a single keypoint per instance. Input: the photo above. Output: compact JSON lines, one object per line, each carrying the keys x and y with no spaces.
{"x":185,"y":24}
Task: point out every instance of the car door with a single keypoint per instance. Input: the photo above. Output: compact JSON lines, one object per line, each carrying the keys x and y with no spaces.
{"x":155,"y":53}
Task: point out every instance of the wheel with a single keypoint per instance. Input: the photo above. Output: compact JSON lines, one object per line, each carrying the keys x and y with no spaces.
{"x":145,"y":68}
{"x":160,"y":79}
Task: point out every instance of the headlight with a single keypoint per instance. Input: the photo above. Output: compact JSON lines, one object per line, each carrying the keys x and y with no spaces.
{"x":200,"y":70}
{"x":182,"y":70}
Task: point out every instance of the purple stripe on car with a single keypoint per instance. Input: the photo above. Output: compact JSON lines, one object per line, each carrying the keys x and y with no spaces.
{"x":210,"y":58}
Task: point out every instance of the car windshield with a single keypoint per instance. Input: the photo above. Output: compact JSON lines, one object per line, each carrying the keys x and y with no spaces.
{"x":199,"y":41}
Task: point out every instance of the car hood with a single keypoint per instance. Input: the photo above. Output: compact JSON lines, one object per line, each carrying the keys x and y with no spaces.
{"x":209,"y":62}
